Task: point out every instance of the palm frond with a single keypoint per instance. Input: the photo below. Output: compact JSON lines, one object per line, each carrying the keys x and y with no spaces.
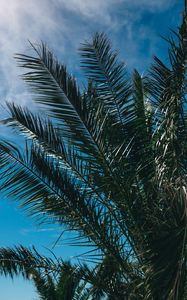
{"x":47,"y":192}
{"x":60,"y":95}
{"x":53,"y":280}
{"x":48,"y":137}
{"x":87,"y":131}
{"x":101,"y":66}
{"x":25,"y":261}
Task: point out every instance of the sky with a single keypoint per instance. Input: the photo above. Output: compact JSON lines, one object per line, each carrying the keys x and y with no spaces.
{"x":133,"y":26}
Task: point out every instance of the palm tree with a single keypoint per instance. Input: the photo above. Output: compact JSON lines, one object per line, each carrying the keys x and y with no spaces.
{"x":108,"y":162}
{"x":53,"y":279}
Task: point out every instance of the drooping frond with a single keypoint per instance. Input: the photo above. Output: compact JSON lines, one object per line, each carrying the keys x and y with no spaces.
{"x":47,"y":136}
{"x":60,"y":95}
{"x":85,"y":126}
{"x":47,"y":192}
{"x":24,"y":261}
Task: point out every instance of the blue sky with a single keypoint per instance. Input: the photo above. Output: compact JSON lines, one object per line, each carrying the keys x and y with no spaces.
{"x":133,"y":26}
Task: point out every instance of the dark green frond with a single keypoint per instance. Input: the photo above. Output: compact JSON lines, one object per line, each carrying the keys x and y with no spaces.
{"x":101,"y":66}
{"x":24,"y":261}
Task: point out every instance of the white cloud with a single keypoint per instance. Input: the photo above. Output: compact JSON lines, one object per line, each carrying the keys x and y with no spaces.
{"x":21,"y":21}
{"x":92,"y":9}
{"x":62,"y":24}
{"x":31,"y":230}
{"x":97,"y":10}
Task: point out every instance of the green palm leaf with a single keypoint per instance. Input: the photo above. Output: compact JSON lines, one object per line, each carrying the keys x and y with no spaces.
{"x":101,"y":66}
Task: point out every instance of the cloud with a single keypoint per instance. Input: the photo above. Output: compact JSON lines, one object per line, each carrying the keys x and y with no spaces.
{"x":20,"y":21}
{"x":25,"y":231}
{"x":97,"y":11}
{"x":63,"y":25}
{"x":104,"y":9}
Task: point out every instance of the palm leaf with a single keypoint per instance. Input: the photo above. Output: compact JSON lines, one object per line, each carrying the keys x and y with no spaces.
{"x":101,"y":66}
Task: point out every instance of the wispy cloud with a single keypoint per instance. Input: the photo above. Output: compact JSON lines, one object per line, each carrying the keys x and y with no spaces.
{"x":28,"y":231}
{"x":102,"y":11}
{"x":20,"y":21}
{"x":63,"y":25}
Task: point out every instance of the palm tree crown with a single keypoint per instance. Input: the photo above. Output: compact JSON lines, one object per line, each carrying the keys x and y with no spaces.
{"x":108,"y":162}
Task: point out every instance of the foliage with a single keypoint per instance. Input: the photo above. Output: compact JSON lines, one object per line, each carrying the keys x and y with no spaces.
{"x":108,"y":162}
